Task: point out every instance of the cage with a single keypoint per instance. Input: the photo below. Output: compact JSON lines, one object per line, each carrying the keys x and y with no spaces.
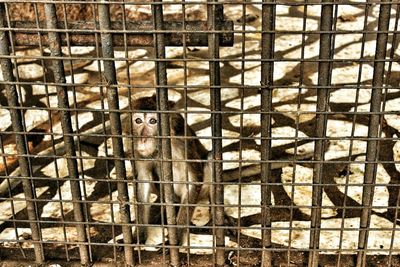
{"x":199,"y":133}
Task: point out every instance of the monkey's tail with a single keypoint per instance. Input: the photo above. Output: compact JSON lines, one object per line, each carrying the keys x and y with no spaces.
{"x":255,"y":169}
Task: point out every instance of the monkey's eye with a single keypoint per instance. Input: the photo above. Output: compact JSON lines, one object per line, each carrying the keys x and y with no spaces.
{"x":152,"y":121}
{"x":138,"y":121}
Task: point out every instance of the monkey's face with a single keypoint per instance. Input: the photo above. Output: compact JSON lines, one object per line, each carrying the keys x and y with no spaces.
{"x":145,"y":128}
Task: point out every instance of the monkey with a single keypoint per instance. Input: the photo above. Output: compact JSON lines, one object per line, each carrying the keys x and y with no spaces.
{"x":194,"y":167}
{"x":186,"y":170}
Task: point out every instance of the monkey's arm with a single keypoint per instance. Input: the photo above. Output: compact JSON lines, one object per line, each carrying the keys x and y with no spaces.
{"x":144,"y":179}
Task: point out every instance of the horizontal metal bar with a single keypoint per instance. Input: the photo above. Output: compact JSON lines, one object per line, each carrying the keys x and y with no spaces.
{"x":251,"y":182}
{"x":253,"y":249}
{"x":250,"y":87}
{"x":200,"y":2}
{"x":182,"y":60}
{"x":197,"y":227}
{"x":278,"y":161}
{"x":80,"y":33}
{"x":187,"y":30}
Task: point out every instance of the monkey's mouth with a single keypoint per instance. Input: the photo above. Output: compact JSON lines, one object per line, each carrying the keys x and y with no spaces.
{"x":146,"y":146}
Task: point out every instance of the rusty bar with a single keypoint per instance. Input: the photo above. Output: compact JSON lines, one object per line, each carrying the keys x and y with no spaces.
{"x":324,"y":72}
{"x":86,"y":209}
{"x":54,"y":151}
{"x":65,"y":118}
{"x":20,"y":141}
{"x":165,"y":131}
{"x":267,"y":74}
{"x":394,"y":213}
{"x":296,"y":153}
{"x":214,"y":14}
{"x":352,"y":135}
{"x":186,"y":130}
{"x":116,"y":130}
{"x":374,"y":128}
{"x":241,"y":128}
{"x":81,"y":33}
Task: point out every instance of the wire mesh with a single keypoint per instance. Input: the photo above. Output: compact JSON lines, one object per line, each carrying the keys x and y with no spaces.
{"x":276,"y":137}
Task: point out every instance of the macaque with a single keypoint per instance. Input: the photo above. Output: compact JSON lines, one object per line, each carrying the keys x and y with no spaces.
{"x":145,"y":144}
{"x":185,"y":170}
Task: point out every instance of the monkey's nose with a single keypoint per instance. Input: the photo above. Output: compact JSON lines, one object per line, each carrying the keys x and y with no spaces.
{"x":145,"y":132}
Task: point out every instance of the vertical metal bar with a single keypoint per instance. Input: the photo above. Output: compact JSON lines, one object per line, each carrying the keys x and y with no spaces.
{"x":50,"y":125}
{"x":116,"y":129}
{"x":324,"y":73}
{"x":214,"y":12}
{"x":104,"y":131}
{"x":352,"y":135}
{"x":395,"y":212}
{"x":185,"y":100}
{"x":267,"y":74}
{"x":131,"y":141}
{"x":20,"y":141}
{"x":241,"y":124}
{"x":373,"y":132}
{"x":297,"y":127}
{"x":165,"y":131}
{"x":20,"y":93}
{"x":65,"y":117}
{"x":84,"y":205}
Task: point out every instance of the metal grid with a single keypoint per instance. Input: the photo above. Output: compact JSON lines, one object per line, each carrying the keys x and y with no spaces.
{"x":300,"y":98}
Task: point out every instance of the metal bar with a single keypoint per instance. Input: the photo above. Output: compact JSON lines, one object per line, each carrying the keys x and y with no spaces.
{"x":324,"y":73}
{"x":241,"y":127}
{"x":81,"y":33}
{"x":374,"y":128}
{"x":65,"y":117}
{"x":267,"y":74}
{"x":394,"y":213}
{"x":20,"y":141}
{"x":352,"y":135}
{"x":297,"y":123}
{"x":165,"y":130}
{"x":130,"y":140}
{"x":215,"y":13}
{"x":54,"y":152}
{"x":104,"y":131}
{"x":116,"y":129}
{"x":186,"y":130}
{"x":86,"y":210}
{"x":289,"y":3}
